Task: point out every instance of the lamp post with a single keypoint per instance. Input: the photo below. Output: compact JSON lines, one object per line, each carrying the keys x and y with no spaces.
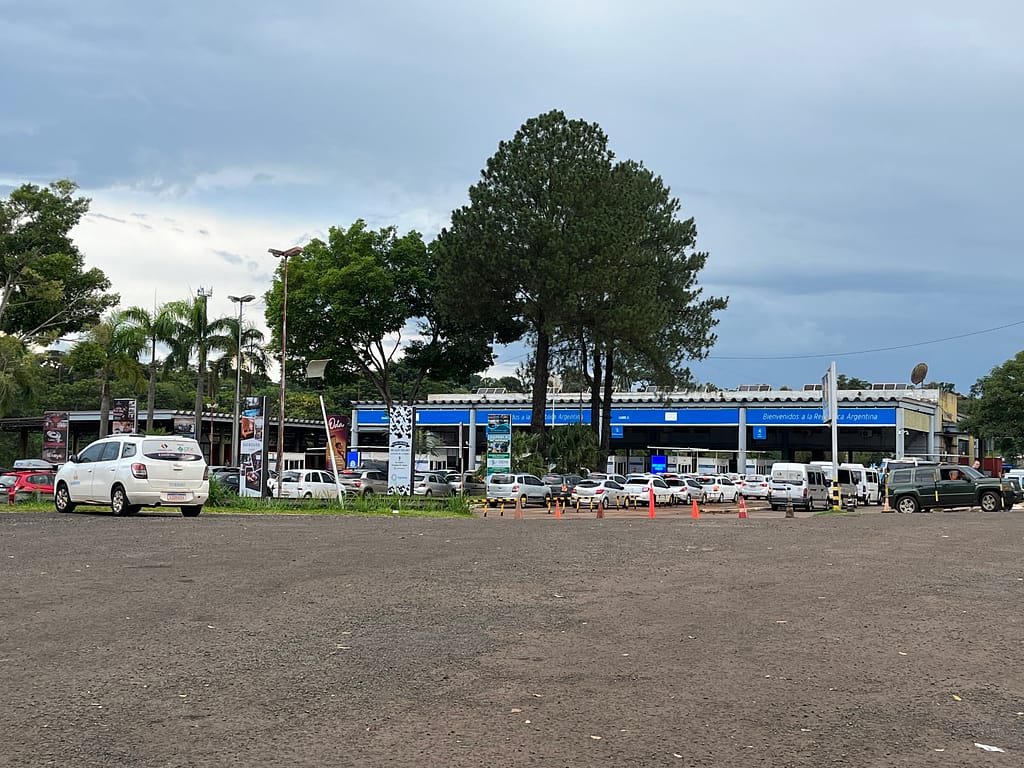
{"x":283,"y":255}
{"x":235,"y":447}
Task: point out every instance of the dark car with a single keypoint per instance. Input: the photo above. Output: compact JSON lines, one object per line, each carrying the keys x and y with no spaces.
{"x":941,"y":486}
{"x":561,"y":485}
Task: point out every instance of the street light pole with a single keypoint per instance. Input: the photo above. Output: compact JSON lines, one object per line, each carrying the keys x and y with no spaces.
{"x":283,"y":255}
{"x":235,"y":447}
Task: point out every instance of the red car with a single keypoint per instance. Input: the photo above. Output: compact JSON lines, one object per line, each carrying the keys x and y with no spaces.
{"x":25,"y":483}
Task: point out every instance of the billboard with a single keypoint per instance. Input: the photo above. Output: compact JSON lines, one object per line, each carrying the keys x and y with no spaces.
{"x":336,"y":455}
{"x":252,"y":447}
{"x":124,"y":416}
{"x":400,"y":428}
{"x":499,"y":442}
{"x":55,"y":437}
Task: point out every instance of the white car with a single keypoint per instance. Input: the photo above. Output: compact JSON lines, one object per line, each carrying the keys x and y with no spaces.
{"x":305,"y":484}
{"x":128,"y":472}
{"x":599,"y":493}
{"x":639,"y":488}
{"x":755,"y":487}
{"x":719,"y":488}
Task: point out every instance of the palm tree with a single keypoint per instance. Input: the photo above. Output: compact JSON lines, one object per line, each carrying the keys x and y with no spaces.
{"x":194,"y":334}
{"x":110,"y":348}
{"x":19,"y":373}
{"x":153,"y":327}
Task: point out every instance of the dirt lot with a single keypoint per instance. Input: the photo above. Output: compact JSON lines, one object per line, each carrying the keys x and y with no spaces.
{"x":869,"y":640}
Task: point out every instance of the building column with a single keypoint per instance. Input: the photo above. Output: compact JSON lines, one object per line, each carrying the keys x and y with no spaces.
{"x":741,"y":442}
{"x":353,"y":428}
{"x":900,"y":429}
{"x":935,"y":428}
{"x":472,"y":439}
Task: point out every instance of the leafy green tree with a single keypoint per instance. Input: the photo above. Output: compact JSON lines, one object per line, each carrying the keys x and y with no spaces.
{"x":45,"y":291}
{"x":851,"y":382}
{"x":511,"y":254}
{"x":996,"y":407}
{"x":572,"y":448}
{"x":365,"y":300}
{"x":110,"y":348}
{"x":194,"y":334}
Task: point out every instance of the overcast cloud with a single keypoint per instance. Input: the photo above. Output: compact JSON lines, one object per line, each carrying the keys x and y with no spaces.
{"x":854,"y":169}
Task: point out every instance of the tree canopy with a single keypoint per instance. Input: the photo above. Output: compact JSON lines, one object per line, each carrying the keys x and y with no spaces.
{"x":365,"y":300}
{"x":45,"y":290}
{"x":996,"y":407}
{"x":563,"y":245}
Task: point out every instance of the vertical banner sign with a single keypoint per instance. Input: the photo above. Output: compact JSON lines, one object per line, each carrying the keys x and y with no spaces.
{"x":337,"y":441}
{"x":252,"y":452}
{"x":55,"y":437}
{"x":123,"y":414}
{"x":499,"y":442}
{"x":401,"y":421}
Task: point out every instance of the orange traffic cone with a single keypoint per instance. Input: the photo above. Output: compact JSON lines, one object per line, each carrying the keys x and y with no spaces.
{"x":696,"y":512}
{"x":519,"y":509}
{"x":558,"y":509}
{"x":650,"y":502}
{"x":743,"y":509}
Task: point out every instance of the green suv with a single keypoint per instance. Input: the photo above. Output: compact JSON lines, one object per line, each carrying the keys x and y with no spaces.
{"x":939,"y":486}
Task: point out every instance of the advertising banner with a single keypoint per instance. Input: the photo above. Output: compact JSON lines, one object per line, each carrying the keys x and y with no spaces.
{"x":337,"y":442}
{"x":184,"y":426}
{"x":499,"y":443}
{"x":400,"y":429}
{"x":253,"y":448}
{"x":55,"y":437}
{"x":124,"y":416}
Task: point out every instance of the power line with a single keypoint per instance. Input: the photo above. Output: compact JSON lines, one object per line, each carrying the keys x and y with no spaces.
{"x":869,"y":351}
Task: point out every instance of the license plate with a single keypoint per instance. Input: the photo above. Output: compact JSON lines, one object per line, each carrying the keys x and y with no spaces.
{"x":177,"y":497}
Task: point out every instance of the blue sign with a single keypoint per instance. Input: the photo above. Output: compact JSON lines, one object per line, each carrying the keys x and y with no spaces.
{"x":352,"y":459}
{"x":651,"y":417}
{"x":850,"y":417}
{"x":659,"y":464}
{"x":618,"y":431}
{"x":760,"y":433}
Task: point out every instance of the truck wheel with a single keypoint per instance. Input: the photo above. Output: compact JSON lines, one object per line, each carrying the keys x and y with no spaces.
{"x":907,"y":504}
{"x":989,"y":502}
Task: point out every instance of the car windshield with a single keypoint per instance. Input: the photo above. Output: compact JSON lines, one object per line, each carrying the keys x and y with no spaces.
{"x":971,"y":473}
{"x":291,"y":476}
{"x":791,"y":476}
{"x":501,"y":479}
{"x":588,"y":483}
{"x":8,"y":480}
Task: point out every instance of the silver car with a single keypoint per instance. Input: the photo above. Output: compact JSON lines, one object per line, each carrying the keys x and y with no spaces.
{"x":599,"y":493}
{"x":431,"y":484}
{"x":525,"y":487}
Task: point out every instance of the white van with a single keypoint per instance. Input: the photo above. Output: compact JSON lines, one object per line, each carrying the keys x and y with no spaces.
{"x":803,"y":485}
{"x":867,"y":482}
{"x":847,"y":482}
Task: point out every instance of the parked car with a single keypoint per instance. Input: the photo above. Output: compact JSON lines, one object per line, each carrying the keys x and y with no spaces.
{"x":719,"y":488}
{"x":305,"y":484}
{"x":694,"y":490}
{"x":639,"y":488}
{"x":228,"y":478}
{"x":364,"y":482}
{"x":431,"y":484}
{"x":620,"y":479}
{"x":24,"y":484}
{"x":530,"y":489}
{"x":561,"y":485}
{"x":599,"y":493}
{"x":754,"y":487}
{"x":941,"y":486}
{"x":468,"y":484}
{"x":129,"y":472}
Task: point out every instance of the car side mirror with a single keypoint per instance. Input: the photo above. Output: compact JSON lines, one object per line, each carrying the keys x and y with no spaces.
{"x":73,"y":458}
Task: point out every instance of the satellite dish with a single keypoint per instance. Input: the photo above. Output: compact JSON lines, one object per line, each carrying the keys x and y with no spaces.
{"x":920,"y":371}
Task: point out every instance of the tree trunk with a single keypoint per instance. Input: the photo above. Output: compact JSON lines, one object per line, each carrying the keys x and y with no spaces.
{"x":199,"y":395}
{"x":151,"y":394}
{"x":104,"y":403}
{"x":540,"y":388}
{"x":595,"y":394}
{"x":606,"y":406}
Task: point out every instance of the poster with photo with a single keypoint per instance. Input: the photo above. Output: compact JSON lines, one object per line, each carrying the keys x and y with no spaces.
{"x":337,"y":441}
{"x":253,"y":447}
{"x":123,"y":415}
{"x":55,"y":436}
{"x":499,"y":442}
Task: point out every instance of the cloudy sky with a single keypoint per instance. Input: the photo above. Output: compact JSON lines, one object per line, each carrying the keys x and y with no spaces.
{"x":854,"y":168}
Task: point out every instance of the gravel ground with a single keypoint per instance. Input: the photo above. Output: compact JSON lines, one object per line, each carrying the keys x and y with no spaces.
{"x":864,"y":640}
